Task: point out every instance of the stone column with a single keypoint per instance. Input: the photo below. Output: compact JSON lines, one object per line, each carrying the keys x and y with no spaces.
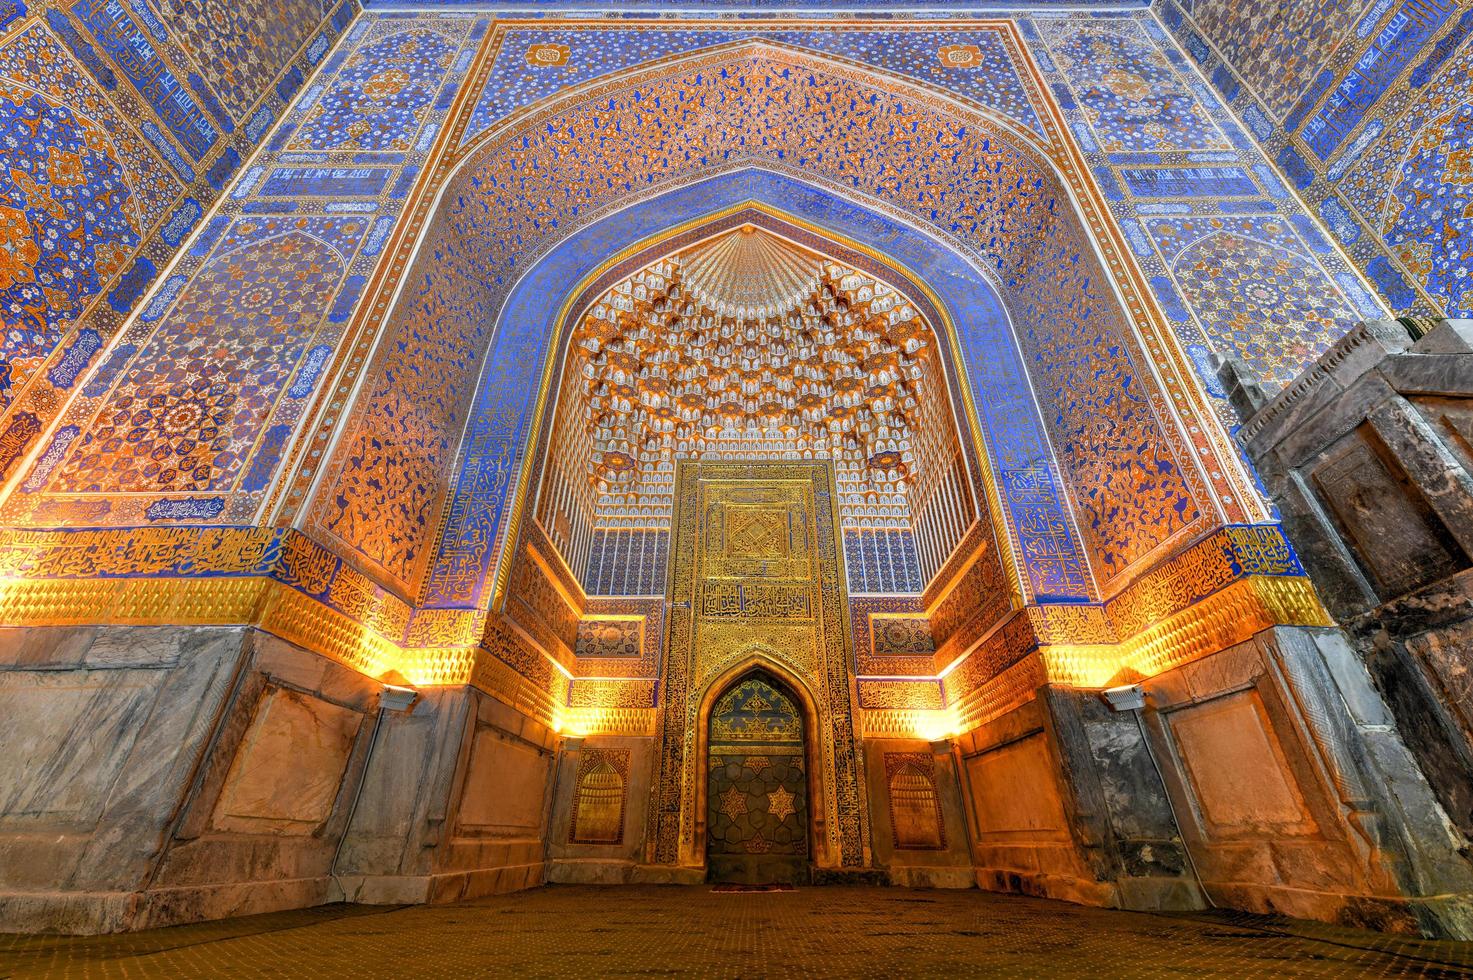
{"x":1369,"y":456}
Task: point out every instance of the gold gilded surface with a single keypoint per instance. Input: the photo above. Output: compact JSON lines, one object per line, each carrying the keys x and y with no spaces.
{"x":502,"y":681}
{"x":60,"y":580}
{"x":599,"y":797}
{"x":749,"y":712}
{"x":641,"y":722}
{"x":916,"y":820}
{"x":759,"y":532}
{"x":654,"y":245}
{"x":590,"y":692}
{"x":1228,"y":616}
{"x":756,"y":575}
{"x":898,"y":722}
{"x":1000,"y":694}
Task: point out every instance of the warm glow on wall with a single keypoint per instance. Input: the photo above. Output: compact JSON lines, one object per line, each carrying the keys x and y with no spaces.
{"x":1083,"y":665}
{"x":935,"y":726}
{"x":581,"y":722}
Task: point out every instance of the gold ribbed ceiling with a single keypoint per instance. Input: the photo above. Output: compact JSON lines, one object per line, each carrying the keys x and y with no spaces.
{"x":749,"y":274}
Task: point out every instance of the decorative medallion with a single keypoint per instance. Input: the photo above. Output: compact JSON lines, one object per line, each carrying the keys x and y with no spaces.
{"x":547,"y":55}
{"x":960,"y":55}
{"x":733,"y":803}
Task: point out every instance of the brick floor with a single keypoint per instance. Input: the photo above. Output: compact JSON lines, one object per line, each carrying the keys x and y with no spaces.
{"x":564,"y":931}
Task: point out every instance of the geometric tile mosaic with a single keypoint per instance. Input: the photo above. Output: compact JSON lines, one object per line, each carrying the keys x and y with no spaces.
{"x":534,"y":62}
{"x":185,"y":418}
{"x":1428,"y":221}
{"x":200,"y":411}
{"x":560,"y":146}
{"x":257,"y":305}
{"x":121,"y":127}
{"x":1253,"y":290}
{"x":1132,"y":96}
{"x":1279,"y":45}
{"x":1238,"y":266}
{"x":246,"y":43}
{"x":377,"y":100}
{"x":881,"y":561}
{"x":1358,"y":104}
{"x":79,"y":190}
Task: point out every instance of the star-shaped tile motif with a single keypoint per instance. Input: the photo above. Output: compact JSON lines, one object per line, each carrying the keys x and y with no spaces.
{"x":780,"y":804}
{"x":733,"y":803}
{"x":757,"y":763}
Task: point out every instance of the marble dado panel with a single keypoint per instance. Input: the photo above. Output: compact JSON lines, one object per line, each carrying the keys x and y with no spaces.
{"x":123,"y":126}
{"x":206,"y":772}
{"x":1261,"y":757}
{"x":288,"y":769}
{"x":1363,"y":105}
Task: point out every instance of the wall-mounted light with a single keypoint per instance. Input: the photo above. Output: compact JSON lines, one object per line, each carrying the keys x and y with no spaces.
{"x":398,"y":693}
{"x":1127,"y":697}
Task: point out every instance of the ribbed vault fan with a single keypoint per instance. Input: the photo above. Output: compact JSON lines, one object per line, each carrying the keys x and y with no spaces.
{"x":749,"y":274}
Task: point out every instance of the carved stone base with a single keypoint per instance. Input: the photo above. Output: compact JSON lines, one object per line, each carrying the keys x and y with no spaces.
{"x":436,"y":889}
{"x":1063,"y":802}
{"x":1296,"y":796}
{"x":1267,"y":774}
{"x":918,"y":830}
{"x":660,"y":874}
{"x":1367,"y":455}
{"x":152,"y":776}
{"x":590,"y":871}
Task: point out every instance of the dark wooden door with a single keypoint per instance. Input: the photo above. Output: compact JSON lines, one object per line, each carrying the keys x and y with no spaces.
{"x":757,"y":786}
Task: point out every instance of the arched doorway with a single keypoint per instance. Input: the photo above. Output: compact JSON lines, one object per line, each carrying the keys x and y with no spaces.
{"x":757,"y":785}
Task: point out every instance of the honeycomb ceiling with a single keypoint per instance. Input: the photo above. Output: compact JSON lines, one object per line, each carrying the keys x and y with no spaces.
{"x":747,"y":345}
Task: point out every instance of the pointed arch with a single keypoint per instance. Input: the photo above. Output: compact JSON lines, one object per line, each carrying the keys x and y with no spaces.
{"x":581,"y":164}
{"x":754,"y":658}
{"x":939,"y":313}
